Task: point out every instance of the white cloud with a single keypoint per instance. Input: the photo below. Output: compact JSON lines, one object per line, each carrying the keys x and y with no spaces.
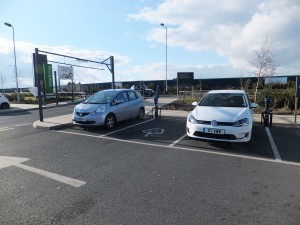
{"x":231,"y":28}
{"x":24,"y":51}
{"x":5,"y":46}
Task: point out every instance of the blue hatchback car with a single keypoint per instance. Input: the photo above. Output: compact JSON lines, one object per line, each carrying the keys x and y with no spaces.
{"x":107,"y":107}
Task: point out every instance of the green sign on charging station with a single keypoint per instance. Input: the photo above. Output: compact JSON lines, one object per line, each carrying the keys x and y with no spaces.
{"x":48,"y":78}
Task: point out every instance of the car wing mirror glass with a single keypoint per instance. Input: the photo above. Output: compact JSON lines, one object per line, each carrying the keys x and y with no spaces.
{"x":253,"y":105}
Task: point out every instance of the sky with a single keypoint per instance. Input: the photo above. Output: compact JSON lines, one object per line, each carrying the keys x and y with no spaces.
{"x":213,"y":39}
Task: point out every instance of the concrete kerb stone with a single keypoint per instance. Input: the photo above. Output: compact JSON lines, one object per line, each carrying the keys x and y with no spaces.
{"x":54,"y":122}
{"x":51,"y":126}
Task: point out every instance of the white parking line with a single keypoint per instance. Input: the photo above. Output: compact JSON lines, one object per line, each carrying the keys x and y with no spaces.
{"x":5,"y":128}
{"x":185,"y":149}
{"x":54,"y":176}
{"x":179,"y":139}
{"x":25,"y":124}
{"x":127,"y":127}
{"x":11,"y":128}
{"x":273,"y":145}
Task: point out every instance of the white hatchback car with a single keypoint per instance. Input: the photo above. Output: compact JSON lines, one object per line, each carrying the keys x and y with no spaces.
{"x":4,"y":102}
{"x":222,"y":115}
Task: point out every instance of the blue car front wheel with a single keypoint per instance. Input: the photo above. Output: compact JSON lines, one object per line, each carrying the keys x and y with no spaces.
{"x":110,"y":121}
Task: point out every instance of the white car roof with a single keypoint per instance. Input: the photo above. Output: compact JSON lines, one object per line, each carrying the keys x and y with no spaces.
{"x":227,"y":91}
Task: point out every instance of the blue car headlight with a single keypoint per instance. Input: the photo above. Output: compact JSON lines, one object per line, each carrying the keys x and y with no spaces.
{"x":192,"y":119}
{"x":241,"y":123}
{"x":99,"y":110}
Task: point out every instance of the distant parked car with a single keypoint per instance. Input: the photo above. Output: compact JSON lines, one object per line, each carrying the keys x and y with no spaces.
{"x":148,"y":92}
{"x":4,"y":102}
{"x":106,"y":108}
{"x":223,"y":115}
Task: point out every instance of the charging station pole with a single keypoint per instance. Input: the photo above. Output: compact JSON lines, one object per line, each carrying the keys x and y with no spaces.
{"x":297,"y":95}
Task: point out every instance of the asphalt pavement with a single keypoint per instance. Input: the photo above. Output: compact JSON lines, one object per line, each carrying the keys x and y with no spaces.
{"x":145,"y":177}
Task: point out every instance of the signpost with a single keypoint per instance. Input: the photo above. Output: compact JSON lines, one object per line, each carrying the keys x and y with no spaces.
{"x":39,"y":76}
{"x":184,"y":78}
{"x":65,"y":72}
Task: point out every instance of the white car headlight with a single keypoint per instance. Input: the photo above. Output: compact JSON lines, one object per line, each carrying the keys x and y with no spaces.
{"x":192,"y":119}
{"x":241,"y":123}
{"x":99,"y":110}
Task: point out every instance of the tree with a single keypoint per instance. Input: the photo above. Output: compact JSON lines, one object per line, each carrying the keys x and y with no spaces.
{"x":2,"y":81}
{"x":264,"y":63}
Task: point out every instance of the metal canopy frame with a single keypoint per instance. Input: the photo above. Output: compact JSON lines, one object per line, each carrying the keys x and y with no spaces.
{"x":109,"y":63}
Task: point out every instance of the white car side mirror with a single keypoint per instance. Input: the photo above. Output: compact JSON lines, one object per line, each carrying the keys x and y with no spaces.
{"x":194,"y":103}
{"x":253,"y":105}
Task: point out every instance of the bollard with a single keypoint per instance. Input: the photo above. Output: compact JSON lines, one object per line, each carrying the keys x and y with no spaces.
{"x":267,"y":118}
{"x":155,"y":112}
{"x":156,"y":107}
{"x":267,"y":114}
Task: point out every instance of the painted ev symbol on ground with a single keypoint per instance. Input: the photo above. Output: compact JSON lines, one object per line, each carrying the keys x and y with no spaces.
{"x":154,"y":131}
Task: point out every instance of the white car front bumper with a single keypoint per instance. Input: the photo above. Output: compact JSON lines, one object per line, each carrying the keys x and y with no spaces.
{"x":219,"y":133}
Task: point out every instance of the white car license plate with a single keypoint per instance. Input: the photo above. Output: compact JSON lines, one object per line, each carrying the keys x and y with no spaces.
{"x":214,"y":131}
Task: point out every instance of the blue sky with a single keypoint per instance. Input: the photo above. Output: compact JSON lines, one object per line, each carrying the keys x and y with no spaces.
{"x":210,"y":38}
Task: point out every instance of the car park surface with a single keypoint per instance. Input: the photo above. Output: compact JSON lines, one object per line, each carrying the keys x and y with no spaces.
{"x":170,"y":132}
{"x":144,"y":180}
{"x":287,"y":144}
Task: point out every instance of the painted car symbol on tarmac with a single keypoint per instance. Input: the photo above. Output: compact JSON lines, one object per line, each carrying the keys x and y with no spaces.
{"x":153,"y":131}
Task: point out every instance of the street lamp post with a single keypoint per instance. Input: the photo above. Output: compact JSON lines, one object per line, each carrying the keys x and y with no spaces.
{"x":163,"y":25}
{"x":9,"y":25}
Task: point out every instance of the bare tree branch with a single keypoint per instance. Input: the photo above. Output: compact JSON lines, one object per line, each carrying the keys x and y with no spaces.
{"x":2,"y":80}
{"x":264,"y":62}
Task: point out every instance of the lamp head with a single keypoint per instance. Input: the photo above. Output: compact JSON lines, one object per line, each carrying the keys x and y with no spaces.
{"x":7,"y":24}
{"x":162,"y":24}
